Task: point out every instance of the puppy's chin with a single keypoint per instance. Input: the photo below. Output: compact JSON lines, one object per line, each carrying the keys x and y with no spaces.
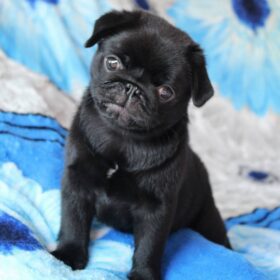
{"x":118,"y":115}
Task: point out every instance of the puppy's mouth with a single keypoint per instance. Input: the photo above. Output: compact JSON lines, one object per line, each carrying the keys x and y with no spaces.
{"x":115,"y":111}
{"x":125,"y":105}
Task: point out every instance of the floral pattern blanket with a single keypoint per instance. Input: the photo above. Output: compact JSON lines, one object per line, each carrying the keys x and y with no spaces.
{"x":240,"y":39}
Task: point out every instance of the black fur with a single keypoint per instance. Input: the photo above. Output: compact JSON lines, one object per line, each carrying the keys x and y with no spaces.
{"x":160,"y":184}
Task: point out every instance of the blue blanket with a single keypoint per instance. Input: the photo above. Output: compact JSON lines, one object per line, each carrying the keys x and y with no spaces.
{"x":31,"y":164}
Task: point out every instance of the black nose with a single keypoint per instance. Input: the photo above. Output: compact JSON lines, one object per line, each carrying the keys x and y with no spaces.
{"x":132,"y":89}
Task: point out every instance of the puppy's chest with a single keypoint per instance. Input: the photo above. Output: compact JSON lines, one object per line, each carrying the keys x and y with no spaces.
{"x":125,"y":192}
{"x":132,"y":182}
{"x":116,"y":202}
{"x":114,"y":209}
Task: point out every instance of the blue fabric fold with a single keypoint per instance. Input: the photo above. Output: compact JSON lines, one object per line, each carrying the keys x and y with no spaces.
{"x":29,"y":141}
{"x":260,"y":217}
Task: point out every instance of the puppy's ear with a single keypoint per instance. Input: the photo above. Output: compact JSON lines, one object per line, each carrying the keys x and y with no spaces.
{"x":111,"y":23}
{"x":202,"y":89}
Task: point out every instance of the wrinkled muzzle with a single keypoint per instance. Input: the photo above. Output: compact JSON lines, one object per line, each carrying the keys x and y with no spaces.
{"x":125,"y":103}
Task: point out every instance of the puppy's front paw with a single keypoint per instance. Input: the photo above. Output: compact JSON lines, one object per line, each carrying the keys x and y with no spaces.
{"x":144,"y":274}
{"x":71,"y":254}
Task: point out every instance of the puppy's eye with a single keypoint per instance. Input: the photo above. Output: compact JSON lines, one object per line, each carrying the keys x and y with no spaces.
{"x":112,"y":63}
{"x":166,"y":93}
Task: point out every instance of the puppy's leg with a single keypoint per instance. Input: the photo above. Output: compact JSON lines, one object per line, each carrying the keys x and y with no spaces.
{"x":77,"y":215}
{"x":209,"y":223}
{"x":151,"y":229}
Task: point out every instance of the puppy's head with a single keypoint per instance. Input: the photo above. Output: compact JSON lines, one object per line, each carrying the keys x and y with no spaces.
{"x":145,"y":71}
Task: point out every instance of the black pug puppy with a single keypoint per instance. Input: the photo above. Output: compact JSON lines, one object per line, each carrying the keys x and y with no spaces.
{"x":129,"y":163}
